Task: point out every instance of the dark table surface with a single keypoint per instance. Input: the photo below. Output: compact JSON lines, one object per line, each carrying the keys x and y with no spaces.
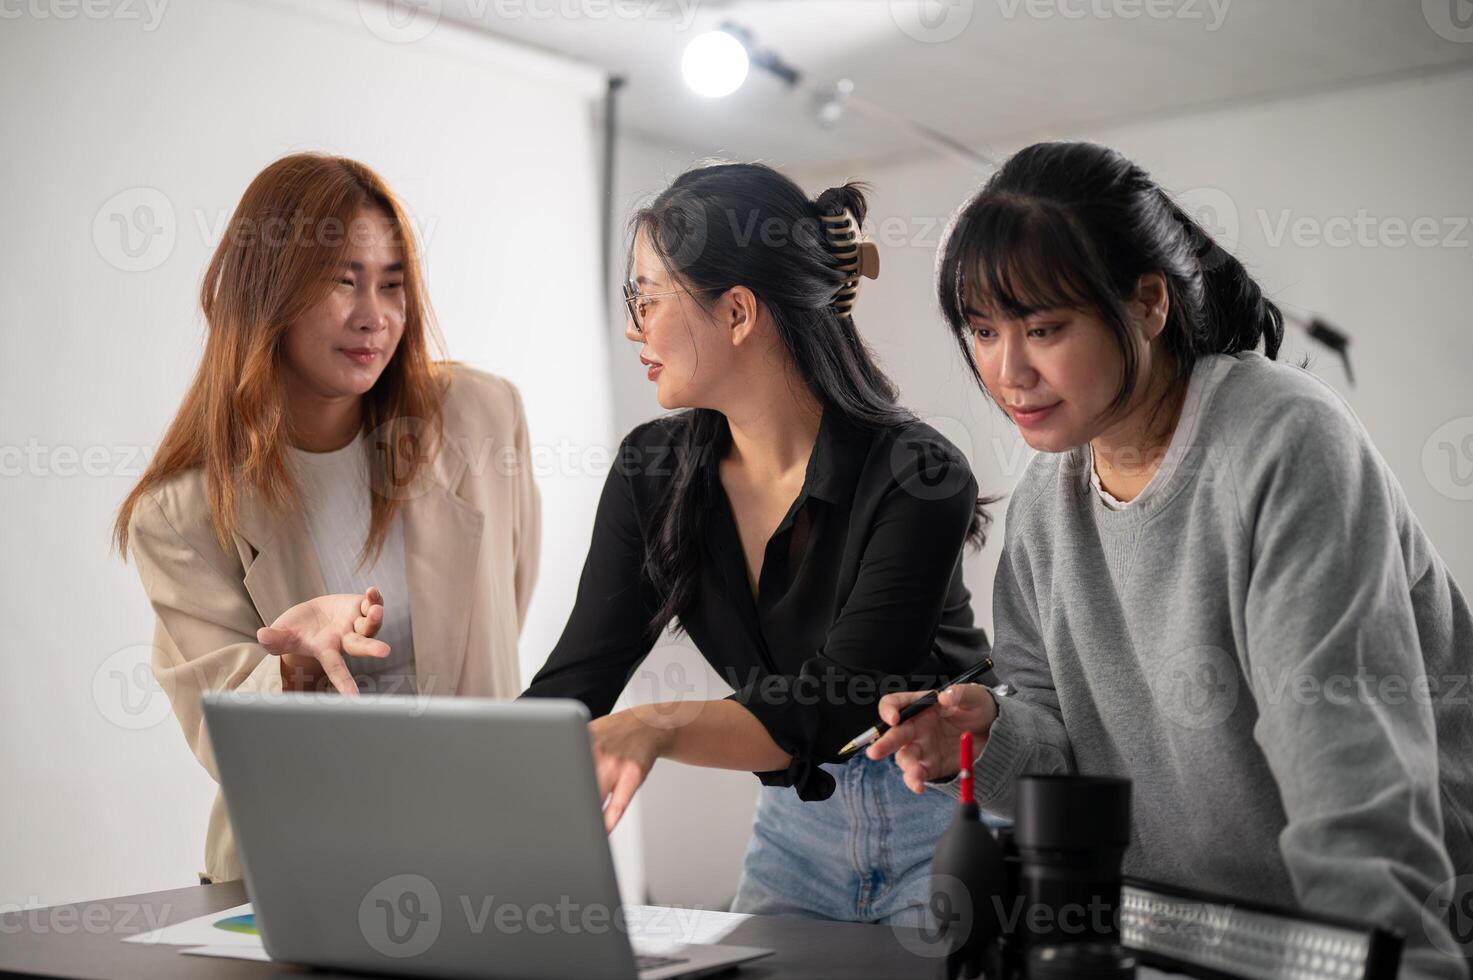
{"x":86,"y":940}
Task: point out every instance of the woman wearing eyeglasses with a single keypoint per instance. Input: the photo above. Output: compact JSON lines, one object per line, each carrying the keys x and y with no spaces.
{"x":802,"y":528}
{"x":315,"y":487}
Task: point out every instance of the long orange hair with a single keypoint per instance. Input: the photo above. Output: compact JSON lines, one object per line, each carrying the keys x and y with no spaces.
{"x":281,"y":249}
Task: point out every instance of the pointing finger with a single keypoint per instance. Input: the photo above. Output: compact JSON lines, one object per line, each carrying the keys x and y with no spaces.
{"x":339,"y":674}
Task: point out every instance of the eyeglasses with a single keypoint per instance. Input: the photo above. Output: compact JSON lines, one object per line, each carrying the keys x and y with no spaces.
{"x":637,"y":302}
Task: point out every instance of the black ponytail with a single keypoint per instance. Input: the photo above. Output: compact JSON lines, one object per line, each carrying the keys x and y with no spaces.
{"x":1077,"y":225}
{"x":1239,"y":316}
{"x":725,"y":225}
{"x":846,"y":197}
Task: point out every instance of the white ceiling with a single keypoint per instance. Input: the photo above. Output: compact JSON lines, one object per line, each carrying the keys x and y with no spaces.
{"x":997,"y":70}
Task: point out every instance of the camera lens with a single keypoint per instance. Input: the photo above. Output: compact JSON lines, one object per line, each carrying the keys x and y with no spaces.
{"x":1071,"y":834}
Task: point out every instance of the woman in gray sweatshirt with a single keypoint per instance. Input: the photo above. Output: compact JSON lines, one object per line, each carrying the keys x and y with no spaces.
{"x":1211,"y":582}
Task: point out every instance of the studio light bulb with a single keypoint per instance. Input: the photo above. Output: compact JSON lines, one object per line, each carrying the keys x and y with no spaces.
{"x":714,"y":64}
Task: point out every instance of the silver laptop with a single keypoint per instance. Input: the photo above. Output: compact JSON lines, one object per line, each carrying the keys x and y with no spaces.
{"x":452,"y":837}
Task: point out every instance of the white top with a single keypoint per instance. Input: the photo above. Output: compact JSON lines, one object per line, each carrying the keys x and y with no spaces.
{"x":335,"y":494}
{"x":1206,"y":374}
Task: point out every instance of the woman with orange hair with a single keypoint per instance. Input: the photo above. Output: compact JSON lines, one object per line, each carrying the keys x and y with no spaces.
{"x":325,"y":479}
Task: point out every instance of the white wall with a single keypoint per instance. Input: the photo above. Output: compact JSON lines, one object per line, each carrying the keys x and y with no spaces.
{"x":1396,"y":151}
{"x":494,"y":151}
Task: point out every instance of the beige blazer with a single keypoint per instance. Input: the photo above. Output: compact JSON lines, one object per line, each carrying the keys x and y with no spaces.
{"x":471,"y":542}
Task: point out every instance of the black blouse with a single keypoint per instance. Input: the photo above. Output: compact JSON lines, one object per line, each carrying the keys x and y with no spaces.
{"x":860,"y":592}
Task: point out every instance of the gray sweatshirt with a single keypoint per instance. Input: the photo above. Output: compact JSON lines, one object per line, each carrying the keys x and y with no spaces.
{"x":1269,"y":647}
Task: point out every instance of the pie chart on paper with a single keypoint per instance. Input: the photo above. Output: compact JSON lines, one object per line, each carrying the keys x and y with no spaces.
{"x":245,"y":924}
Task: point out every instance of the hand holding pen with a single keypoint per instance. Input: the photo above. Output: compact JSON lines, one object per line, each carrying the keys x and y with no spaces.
{"x":921,"y":701}
{"x":924,"y":742}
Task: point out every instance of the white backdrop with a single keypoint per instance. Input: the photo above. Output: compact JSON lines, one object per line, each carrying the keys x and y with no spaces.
{"x":128,"y":139}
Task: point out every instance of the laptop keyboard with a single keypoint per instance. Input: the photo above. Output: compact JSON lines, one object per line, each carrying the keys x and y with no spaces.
{"x":649,"y":961}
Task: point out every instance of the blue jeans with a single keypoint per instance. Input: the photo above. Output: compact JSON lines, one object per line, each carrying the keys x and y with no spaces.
{"x":862,"y":855}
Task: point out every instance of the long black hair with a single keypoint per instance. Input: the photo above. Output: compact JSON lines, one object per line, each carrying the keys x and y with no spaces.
{"x":1076,"y":225}
{"x":732,"y":224}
